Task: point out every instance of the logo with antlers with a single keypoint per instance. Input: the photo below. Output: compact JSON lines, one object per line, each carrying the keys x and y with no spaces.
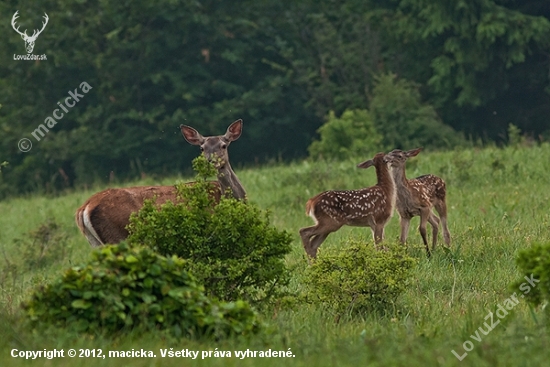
{"x":29,"y":40}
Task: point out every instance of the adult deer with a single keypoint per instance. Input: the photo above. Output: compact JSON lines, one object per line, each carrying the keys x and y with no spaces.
{"x":369,"y":207}
{"x":29,"y":40}
{"x":417,"y":197}
{"x":104,"y":216}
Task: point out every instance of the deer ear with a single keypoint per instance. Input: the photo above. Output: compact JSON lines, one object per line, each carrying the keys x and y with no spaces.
{"x":191,"y":135}
{"x":413,"y":152}
{"x":366,"y":164}
{"x":234,"y":130}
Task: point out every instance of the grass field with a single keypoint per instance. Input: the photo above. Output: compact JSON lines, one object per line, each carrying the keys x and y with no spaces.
{"x":498,"y":202}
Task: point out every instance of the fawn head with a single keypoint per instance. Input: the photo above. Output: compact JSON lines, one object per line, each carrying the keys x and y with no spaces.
{"x":398,"y":157}
{"x":378,"y":159}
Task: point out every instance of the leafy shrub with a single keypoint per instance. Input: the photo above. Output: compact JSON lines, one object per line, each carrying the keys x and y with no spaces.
{"x":534,"y":262}
{"x":123,"y":287}
{"x":404,"y":120}
{"x":515,"y":138}
{"x":358,"y":277}
{"x":231,"y":247}
{"x":47,"y":245}
{"x":352,"y":134}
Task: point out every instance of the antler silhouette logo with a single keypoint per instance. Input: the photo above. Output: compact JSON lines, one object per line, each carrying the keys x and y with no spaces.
{"x":29,"y":40}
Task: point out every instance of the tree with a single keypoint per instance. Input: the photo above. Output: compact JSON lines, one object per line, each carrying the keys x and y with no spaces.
{"x":405,"y":121}
{"x":352,"y":134}
{"x":152,"y":67}
{"x":479,"y":59}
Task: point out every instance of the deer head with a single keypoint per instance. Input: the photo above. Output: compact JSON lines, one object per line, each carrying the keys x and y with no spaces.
{"x":398,"y":157}
{"x":214,"y":149}
{"x":29,"y":40}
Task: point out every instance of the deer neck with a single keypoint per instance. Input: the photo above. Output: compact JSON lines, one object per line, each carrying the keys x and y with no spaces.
{"x":385,"y":179}
{"x":399,"y":177}
{"x":228,"y":181}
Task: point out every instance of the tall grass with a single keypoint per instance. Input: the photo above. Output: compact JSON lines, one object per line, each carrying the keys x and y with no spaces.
{"x":498,"y":203}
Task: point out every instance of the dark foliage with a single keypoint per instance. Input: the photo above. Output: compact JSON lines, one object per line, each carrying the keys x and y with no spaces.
{"x":281,"y":67}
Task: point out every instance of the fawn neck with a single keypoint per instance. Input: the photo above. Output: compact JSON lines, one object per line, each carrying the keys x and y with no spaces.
{"x":228,"y":180}
{"x":399,"y":177}
{"x":385,"y":179}
{"x":387,"y":183}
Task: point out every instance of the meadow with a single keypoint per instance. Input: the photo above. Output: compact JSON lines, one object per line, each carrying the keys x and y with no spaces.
{"x":497,"y":202}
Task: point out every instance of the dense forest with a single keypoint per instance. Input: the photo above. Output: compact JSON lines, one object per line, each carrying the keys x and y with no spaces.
{"x":433,"y":72}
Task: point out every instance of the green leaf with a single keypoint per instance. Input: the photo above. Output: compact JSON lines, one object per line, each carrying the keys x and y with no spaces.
{"x":80,"y":303}
{"x":131,"y":259}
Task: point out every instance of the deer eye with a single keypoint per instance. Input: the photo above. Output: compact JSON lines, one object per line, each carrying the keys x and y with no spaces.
{"x":224,"y":146}
{"x":202,"y":149}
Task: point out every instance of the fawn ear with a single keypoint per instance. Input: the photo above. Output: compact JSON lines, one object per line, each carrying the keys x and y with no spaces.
{"x":234,"y":130}
{"x":192,"y":136}
{"x":413,"y":152}
{"x":366,"y":164}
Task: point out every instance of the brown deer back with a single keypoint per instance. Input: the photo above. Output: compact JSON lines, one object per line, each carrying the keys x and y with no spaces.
{"x":110,"y":219}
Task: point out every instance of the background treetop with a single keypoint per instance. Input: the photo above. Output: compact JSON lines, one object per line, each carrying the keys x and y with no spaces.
{"x":473,"y":66}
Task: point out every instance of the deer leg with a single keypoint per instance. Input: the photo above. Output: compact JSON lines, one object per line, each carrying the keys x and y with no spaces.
{"x":424,"y":215}
{"x":316,"y":242}
{"x":312,"y":238}
{"x":446,"y":233}
{"x":434,"y":222}
{"x":306,"y":234}
{"x":378,"y":233}
{"x":441,"y":208}
{"x":405,"y":224}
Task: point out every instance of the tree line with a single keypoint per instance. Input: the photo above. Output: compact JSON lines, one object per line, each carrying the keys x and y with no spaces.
{"x":461,"y":69}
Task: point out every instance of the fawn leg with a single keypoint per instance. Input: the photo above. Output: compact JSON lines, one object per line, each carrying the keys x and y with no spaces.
{"x":441,"y":208}
{"x":306,"y":234}
{"x":434,"y":222}
{"x":405,"y":224}
{"x":378,"y":233}
{"x":424,"y":215}
{"x":316,"y":242}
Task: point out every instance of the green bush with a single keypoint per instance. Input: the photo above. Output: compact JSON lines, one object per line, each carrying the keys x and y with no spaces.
{"x":534,"y":262}
{"x":358,"y":277}
{"x":404,"y":120}
{"x":231,"y":247}
{"x":352,"y":134}
{"x":134,"y":288}
{"x":396,"y":118}
{"x":515,"y":138}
